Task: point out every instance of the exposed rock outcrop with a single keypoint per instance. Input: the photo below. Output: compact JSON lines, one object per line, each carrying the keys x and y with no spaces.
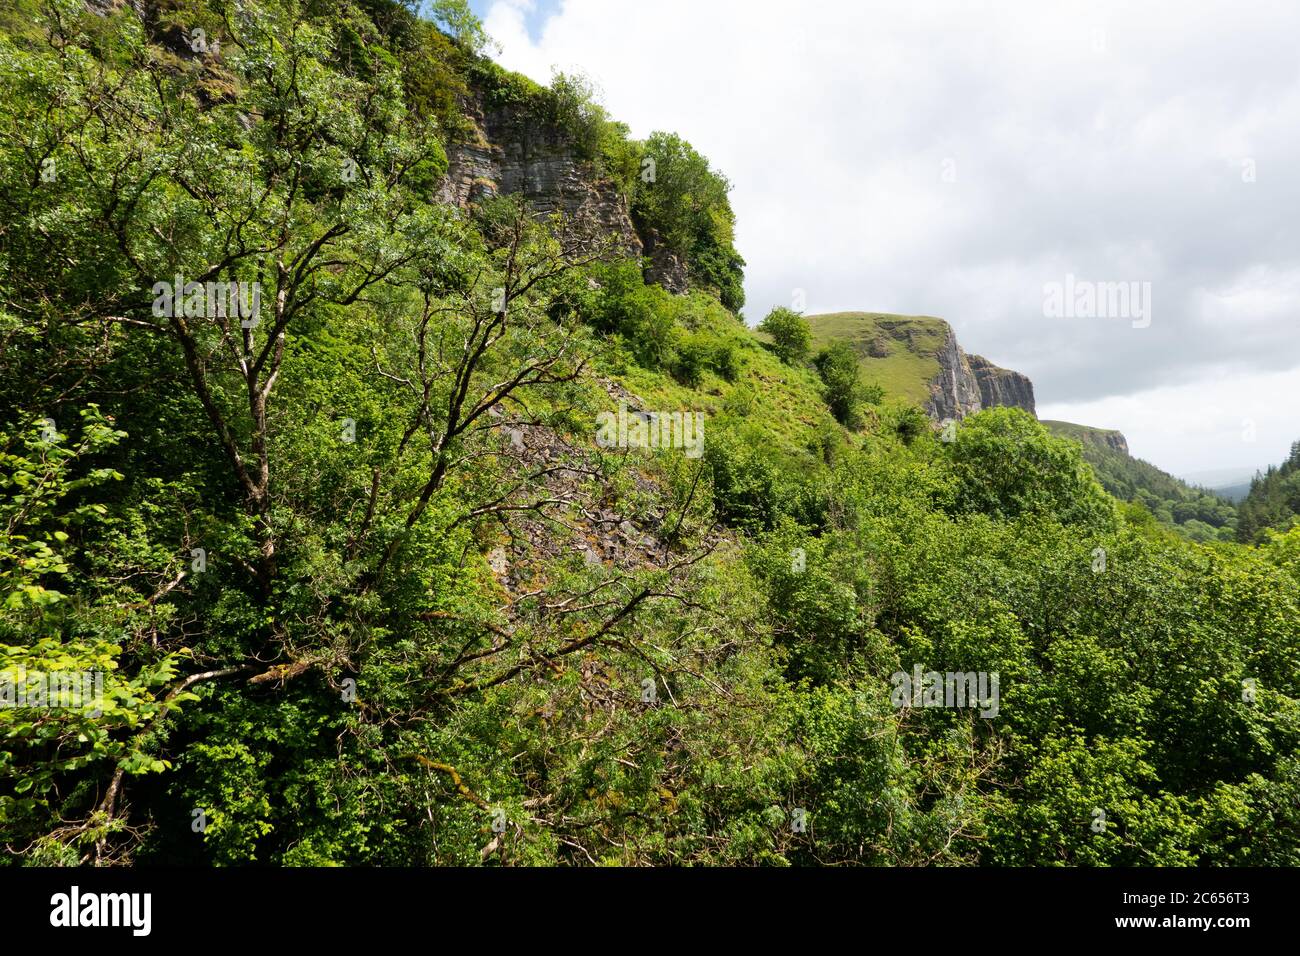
{"x":508,"y":152}
{"x":967,"y":384}
{"x":580,"y":515}
{"x":1114,"y":440}
{"x":1000,"y":387}
{"x":663,"y":266}
{"x":954,"y":392}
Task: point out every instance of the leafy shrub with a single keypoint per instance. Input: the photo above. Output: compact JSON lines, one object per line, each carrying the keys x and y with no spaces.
{"x":745,"y":493}
{"x":837,"y":364}
{"x":1008,"y":465}
{"x":684,"y":201}
{"x":726,"y":359}
{"x":790,"y":333}
{"x":694,"y":352}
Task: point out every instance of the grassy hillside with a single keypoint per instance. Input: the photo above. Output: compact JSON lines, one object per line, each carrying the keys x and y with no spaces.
{"x":897,"y":352}
{"x":1195,"y":513}
{"x":1086,"y":435}
{"x":782,"y":402}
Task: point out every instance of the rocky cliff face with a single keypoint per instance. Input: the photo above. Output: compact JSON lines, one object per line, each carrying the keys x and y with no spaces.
{"x":1000,"y":387}
{"x":509,"y":152}
{"x":967,"y":384}
{"x":954,"y":392}
{"x":663,"y":266}
{"x":1115,"y":440}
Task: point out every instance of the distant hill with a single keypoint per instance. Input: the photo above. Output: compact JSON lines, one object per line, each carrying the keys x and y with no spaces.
{"x":1234,"y":493}
{"x":1230,"y":483}
{"x":917,"y":358}
{"x":1094,"y":438}
{"x":1196,"y":513}
{"x":900,"y":353}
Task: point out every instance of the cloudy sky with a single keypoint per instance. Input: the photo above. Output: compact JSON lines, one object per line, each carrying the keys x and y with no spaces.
{"x":953,"y":159}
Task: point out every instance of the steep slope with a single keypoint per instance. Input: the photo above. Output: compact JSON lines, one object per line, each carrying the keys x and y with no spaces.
{"x":1095,"y":439}
{"x":1194,"y":512}
{"x":504,"y":149}
{"x":918,"y":358}
{"x":1001,"y":387}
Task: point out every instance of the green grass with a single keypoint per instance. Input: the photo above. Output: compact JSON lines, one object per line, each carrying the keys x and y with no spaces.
{"x":1085,"y":434}
{"x":782,"y":402}
{"x":897,"y":352}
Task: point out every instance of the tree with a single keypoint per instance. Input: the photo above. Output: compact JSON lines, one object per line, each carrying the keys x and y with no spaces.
{"x":683,"y":201}
{"x":1007,"y":465}
{"x":790,"y":333}
{"x":456,"y":17}
{"x":837,"y":364}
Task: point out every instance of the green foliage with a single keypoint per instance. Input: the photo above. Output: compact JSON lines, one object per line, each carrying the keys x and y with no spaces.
{"x":429,"y":600}
{"x":1273,"y":501}
{"x":1196,"y":514}
{"x":456,"y":17}
{"x":744,"y":480}
{"x":70,"y":704}
{"x":1008,"y":465}
{"x":682,"y":334}
{"x":791,"y":337}
{"x":845,"y":392}
{"x":683,"y":201}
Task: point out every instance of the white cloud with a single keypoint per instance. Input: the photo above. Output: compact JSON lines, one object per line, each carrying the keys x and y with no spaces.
{"x":1107,"y":140}
{"x":1245,"y":420}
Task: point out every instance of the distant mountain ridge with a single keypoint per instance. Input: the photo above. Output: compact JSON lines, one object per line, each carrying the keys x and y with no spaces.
{"x":1231,"y":483}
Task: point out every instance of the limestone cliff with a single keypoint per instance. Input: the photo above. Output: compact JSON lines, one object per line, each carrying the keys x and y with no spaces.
{"x":508,"y":151}
{"x":954,"y":392}
{"x":1116,"y":441}
{"x":1001,"y":387}
{"x":918,"y":358}
{"x":967,"y":384}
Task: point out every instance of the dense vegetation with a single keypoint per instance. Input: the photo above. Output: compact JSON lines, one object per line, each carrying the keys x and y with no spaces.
{"x":1193,"y":512}
{"x":367,"y":589}
{"x":1273,"y":502}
